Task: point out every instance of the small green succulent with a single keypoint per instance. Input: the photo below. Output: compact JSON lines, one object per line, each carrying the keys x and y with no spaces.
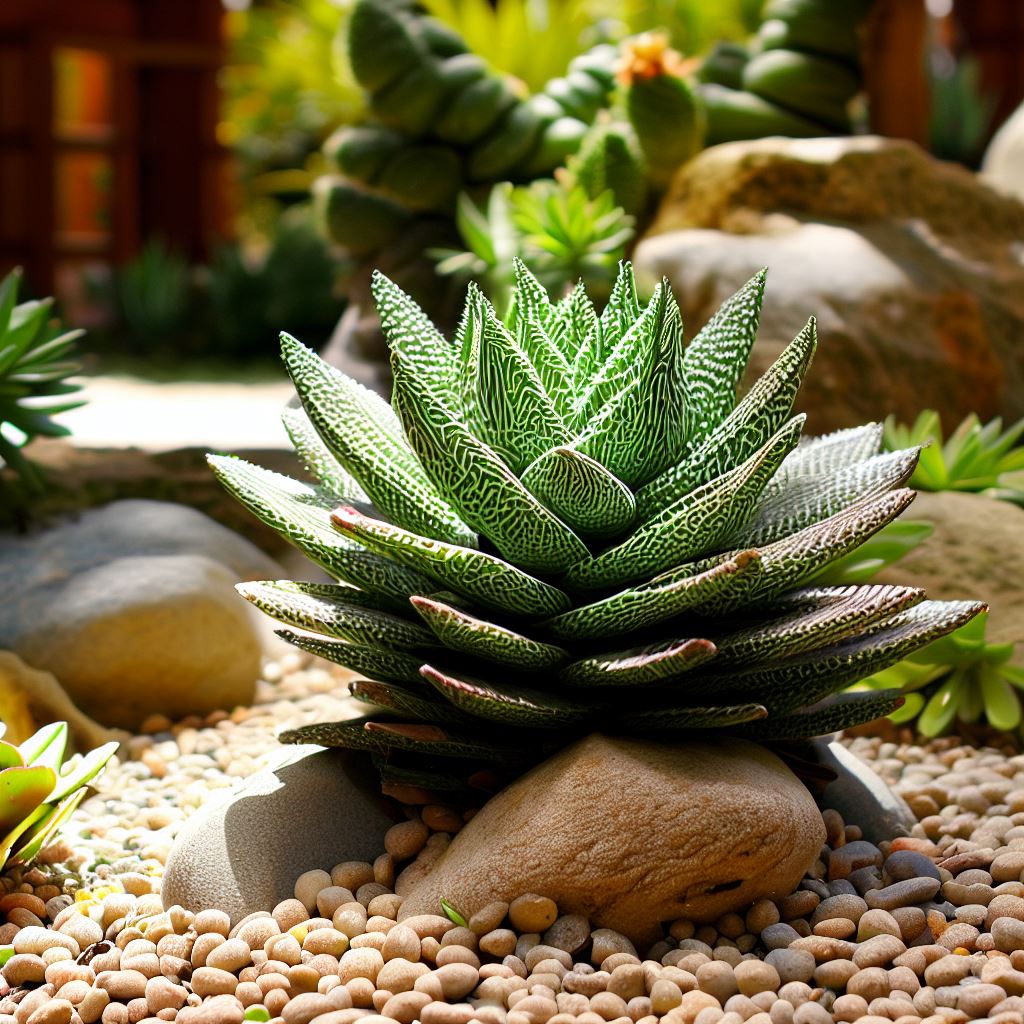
{"x":554,"y":226}
{"x":974,"y":458}
{"x":569,"y":520}
{"x":959,"y":677}
{"x":39,"y":790}
{"x":34,"y":372}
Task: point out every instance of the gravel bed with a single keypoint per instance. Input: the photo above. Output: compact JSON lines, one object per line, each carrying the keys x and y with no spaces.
{"x":925,"y":928}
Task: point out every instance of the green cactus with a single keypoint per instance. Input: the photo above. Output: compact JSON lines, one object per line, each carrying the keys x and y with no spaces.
{"x":609,"y":160}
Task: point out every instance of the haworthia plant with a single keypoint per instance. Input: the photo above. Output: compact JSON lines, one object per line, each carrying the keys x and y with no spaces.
{"x":568,"y":522}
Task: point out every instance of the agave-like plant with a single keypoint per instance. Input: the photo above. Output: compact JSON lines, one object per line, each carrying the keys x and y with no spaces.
{"x":39,"y":790}
{"x":566,"y":521}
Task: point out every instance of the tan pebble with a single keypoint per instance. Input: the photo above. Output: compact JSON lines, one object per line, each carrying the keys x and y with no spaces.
{"x":878,"y":951}
{"x":754,"y":976}
{"x":255,"y":933}
{"x":457,"y":980}
{"x":368,"y":940}
{"x":276,"y":1000}
{"x":284,"y":948}
{"x":65,"y":971}
{"x":123,"y":985}
{"x":211,"y":981}
{"x":761,"y":915}
{"x":35,"y":940}
{"x":213,"y":922}
{"x":161,"y":994}
{"x":145,"y":963}
{"x":271,"y":980}
{"x":302,"y":978}
{"x":53,"y":1011}
{"x":429,"y":948}
{"x":430,"y":984}
{"x":331,"y":897}
{"x":91,"y":1008}
{"x":405,"y":1007}
{"x":404,"y":840}
{"x":541,"y":952}
{"x":351,"y":874}
{"x":811,"y":1013}
{"x":849,"y":1008}
{"x":399,"y":975}
{"x":204,"y":945}
{"x":950,"y":970}
{"x":366,"y":894}
{"x":457,"y":955}
{"x":537,"y":1009}
{"x":361,"y":963}
{"x":792,"y":964}
{"x":115,"y":1013}
{"x":606,"y":942}
{"x":174,"y":967}
{"x":323,"y":964}
{"x":24,"y":968}
{"x":665,"y":996}
{"x":325,"y":940}
{"x":387,"y":905}
{"x":717,"y":979}
{"x":532,"y":913}
{"x":627,"y":981}
{"x":218,"y":1010}
{"x":301,"y":1009}
{"x":350,"y":918}
{"x":977,"y":1000}
{"x":871,"y":983}
{"x":428,"y":925}
{"x":289,"y":913}
{"x":609,"y":963}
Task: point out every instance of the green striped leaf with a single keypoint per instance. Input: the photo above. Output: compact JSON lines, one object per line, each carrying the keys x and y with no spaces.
{"x":822,"y":456}
{"x":574,"y":326}
{"x":410,"y":332}
{"x":478,"y":484}
{"x":840,"y":711}
{"x":581,"y":492}
{"x":764,"y":408}
{"x":417,"y":704}
{"x":642,"y":430}
{"x":460,"y":631}
{"x":672,"y":719}
{"x":691,"y":525}
{"x":332,"y":612}
{"x":515,"y":415}
{"x":301,"y":515}
{"x":487,"y":580}
{"x":798,"y":501}
{"x":507,"y":704}
{"x":652,"y":603}
{"x":379,"y":663}
{"x":554,"y":372}
{"x":819,"y":616}
{"x":318,"y":460}
{"x":367,"y":441}
{"x":649,"y":665}
{"x":717,"y":357}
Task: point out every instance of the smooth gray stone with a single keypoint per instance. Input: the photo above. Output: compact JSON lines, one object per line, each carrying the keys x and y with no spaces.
{"x":243,"y":853}
{"x":861,"y":797}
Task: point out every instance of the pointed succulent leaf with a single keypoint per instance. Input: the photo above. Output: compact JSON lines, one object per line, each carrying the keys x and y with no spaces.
{"x":835,"y":713}
{"x":482,"y":578}
{"x":478,"y":484}
{"x":631,"y":359}
{"x":621,"y":312}
{"x":410,"y":333}
{"x":378,"y":663}
{"x":817,"y":617}
{"x":301,"y":515}
{"x":717,"y":357}
{"x":574,"y":324}
{"x":419,"y":704}
{"x":516,"y":416}
{"x":507,"y":704}
{"x":459,"y":631}
{"x":318,"y":460}
{"x":764,"y":408}
{"x":531,"y":297}
{"x":366,"y":441}
{"x":546,"y":358}
{"x":792,"y":504}
{"x":789,"y":562}
{"x":581,"y":492}
{"x":454,"y":781}
{"x":330,"y":612}
{"x":22,"y":790}
{"x":32,"y":840}
{"x":806,"y":678}
{"x":649,"y":665}
{"x":681,"y":718}
{"x":642,"y":430}
{"x":10,"y":757}
{"x":46,"y":746}
{"x":822,"y":456}
{"x":654,"y":602}
{"x":24,"y":830}
{"x":80,"y":770}
{"x":692,"y":524}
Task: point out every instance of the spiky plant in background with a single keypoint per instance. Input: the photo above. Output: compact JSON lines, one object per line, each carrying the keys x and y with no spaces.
{"x":35,"y":364}
{"x":567,"y":522}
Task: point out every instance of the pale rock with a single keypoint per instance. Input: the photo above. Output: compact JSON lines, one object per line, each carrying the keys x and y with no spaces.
{"x":630,"y":834}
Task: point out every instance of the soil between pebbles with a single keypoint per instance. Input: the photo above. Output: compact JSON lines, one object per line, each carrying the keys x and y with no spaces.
{"x":926,"y":928}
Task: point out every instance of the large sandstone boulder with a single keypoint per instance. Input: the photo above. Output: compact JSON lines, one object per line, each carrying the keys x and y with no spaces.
{"x":975,"y":553}
{"x":133,"y":608}
{"x":913,"y":268}
{"x":630,"y":834}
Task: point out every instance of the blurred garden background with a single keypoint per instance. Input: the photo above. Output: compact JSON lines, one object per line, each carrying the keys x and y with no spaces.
{"x":189,"y":177}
